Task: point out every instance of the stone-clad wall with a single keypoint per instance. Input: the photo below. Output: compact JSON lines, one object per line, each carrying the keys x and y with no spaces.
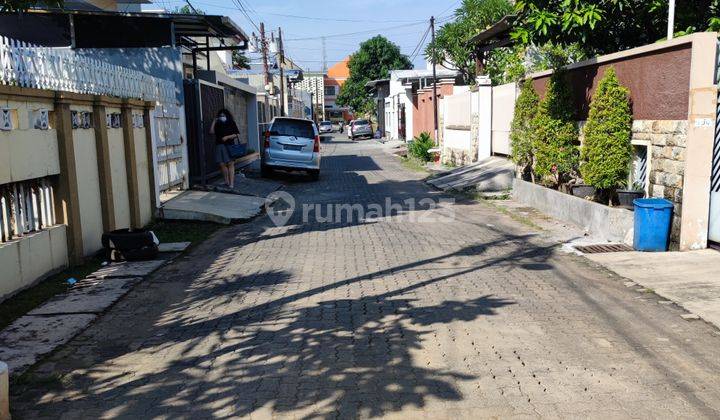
{"x":460,"y":157}
{"x":667,"y":143}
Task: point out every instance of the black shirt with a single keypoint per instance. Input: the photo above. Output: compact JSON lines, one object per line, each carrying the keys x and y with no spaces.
{"x":223,"y":129}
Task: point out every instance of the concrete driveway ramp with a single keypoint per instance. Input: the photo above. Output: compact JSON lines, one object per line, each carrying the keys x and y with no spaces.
{"x":491,"y":174}
{"x":210,"y":206}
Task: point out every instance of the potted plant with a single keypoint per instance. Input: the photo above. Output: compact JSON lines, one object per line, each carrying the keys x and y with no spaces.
{"x":583,"y":191}
{"x":628,"y":195}
{"x":607,"y":150}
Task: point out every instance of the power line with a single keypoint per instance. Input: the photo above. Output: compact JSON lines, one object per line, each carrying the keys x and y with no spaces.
{"x":249,"y":7}
{"x":242,"y":9}
{"x":449,"y":7}
{"x":418,"y":47}
{"x":357,"y":33}
{"x":333,"y":19}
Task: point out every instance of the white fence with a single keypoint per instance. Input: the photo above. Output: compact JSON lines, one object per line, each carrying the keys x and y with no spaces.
{"x":27,"y":65}
{"x":25,"y":207}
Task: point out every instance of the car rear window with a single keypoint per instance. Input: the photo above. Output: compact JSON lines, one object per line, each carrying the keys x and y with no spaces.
{"x":295,"y":128}
{"x":361,"y":122}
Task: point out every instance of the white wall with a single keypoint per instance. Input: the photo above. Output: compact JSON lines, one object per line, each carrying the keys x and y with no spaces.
{"x":503,"y":107}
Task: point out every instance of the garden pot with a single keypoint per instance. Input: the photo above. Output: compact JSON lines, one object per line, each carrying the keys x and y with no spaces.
{"x":626,"y":198}
{"x":583,"y":191}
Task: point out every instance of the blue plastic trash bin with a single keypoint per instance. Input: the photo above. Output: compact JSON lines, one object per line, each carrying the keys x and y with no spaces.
{"x":653,"y":218}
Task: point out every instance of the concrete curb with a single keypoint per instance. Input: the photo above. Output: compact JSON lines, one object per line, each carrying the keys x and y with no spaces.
{"x":4,"y":392}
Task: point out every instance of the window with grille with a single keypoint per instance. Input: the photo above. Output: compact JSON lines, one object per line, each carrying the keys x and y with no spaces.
{"x":26,"y":207}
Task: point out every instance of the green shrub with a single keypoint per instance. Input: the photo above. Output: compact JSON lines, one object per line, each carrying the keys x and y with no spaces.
{"x":607,"y":150}
{"x":554,"y":133}
{"x":526,"y":107}
{"x":420,"y":146}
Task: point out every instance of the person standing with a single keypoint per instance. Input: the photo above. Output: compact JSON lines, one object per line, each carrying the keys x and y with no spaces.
{"x":225,"y":131}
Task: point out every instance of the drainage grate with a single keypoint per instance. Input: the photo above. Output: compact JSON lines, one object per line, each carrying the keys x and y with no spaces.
{"x":599,"y":249}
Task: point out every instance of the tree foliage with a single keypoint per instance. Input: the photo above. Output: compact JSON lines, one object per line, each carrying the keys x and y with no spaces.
{"x":555,"y":133}
{"x":451,"y":47}
{"x":22,"y":5}
{"x":521,"y":131}
{"x":510,"y":64}
{"x":240,"y":60}
{"x":607,"y":26}
{"x":374,"y":60}
{"x":607,"y":150}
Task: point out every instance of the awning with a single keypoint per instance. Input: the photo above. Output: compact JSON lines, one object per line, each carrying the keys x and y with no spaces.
{"x":81,"y":29}
{"x":373,"y":83}
{"x":497,"y":35}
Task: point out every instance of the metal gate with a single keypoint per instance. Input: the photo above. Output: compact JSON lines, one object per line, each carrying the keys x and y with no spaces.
{"x":202,"y":102}
{"x":714,"y":220}
{"x":168,"y":134}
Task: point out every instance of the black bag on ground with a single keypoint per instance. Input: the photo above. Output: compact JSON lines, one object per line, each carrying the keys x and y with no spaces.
{"x":130,"y":245}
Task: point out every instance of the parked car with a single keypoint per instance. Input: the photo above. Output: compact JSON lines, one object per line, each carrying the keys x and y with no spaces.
{"x":325,"y":127}
{"x":291,"y":144}
{"x":361,"y":128}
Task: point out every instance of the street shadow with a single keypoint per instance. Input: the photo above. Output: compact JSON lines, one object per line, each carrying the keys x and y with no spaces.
{"x":347,"y":357}
{"x":226,"y":339}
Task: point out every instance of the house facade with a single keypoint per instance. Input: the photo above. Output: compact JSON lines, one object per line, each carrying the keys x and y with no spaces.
{"x":401,"y":104}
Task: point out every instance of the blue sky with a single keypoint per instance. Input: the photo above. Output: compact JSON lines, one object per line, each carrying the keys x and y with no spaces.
{"x":402,"y":21}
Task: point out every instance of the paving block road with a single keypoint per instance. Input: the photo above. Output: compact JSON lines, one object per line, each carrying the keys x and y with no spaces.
{"x":400,"y":314}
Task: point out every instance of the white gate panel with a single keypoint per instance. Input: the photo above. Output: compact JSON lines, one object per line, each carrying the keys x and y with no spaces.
{"x":503,"y":107}
{"x":170,"y":147}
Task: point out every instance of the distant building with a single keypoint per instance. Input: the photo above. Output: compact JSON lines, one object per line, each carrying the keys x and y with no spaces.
{"x":401,"y":104}
{"x":314,"y":83}
{"x":334,"y":80}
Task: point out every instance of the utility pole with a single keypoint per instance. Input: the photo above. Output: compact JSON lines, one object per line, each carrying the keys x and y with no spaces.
{"x":191,"y":7}
{"x":435,"y":99}
{"x":324,"y":56}
{"x":281,"y":54}
{"x":312,"y":106}
{"x":671,"y":20}
{"x":263,"y":47}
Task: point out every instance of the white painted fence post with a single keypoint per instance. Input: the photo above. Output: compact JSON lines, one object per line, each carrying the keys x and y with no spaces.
{"x":4,"y":392}
{"x":484,"y":112}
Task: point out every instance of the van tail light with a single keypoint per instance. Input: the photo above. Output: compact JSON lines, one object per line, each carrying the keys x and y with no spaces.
{"x":267,"y":139}
{"x":316,"y":147}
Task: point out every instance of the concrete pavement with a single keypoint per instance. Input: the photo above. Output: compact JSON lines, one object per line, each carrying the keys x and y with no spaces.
{"x":690,"y":279}
{"x":408,"y":314}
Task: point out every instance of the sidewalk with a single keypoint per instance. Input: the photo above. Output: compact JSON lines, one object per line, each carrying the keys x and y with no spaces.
{"x":688,"y":279}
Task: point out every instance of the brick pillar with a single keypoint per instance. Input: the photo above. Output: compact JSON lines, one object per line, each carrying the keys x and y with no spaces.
{"x":67,"y":202}
{"x":102,"y":146}
{"x":131,"y":165}
{"x":150,"y":151}
{"x":701,"y":129}
{"x":4,"y":392}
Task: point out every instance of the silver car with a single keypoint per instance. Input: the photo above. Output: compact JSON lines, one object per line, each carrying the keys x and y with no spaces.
{"x":291,"y":144}
{"x":326,"y":127}
{"x":361,"y":128}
